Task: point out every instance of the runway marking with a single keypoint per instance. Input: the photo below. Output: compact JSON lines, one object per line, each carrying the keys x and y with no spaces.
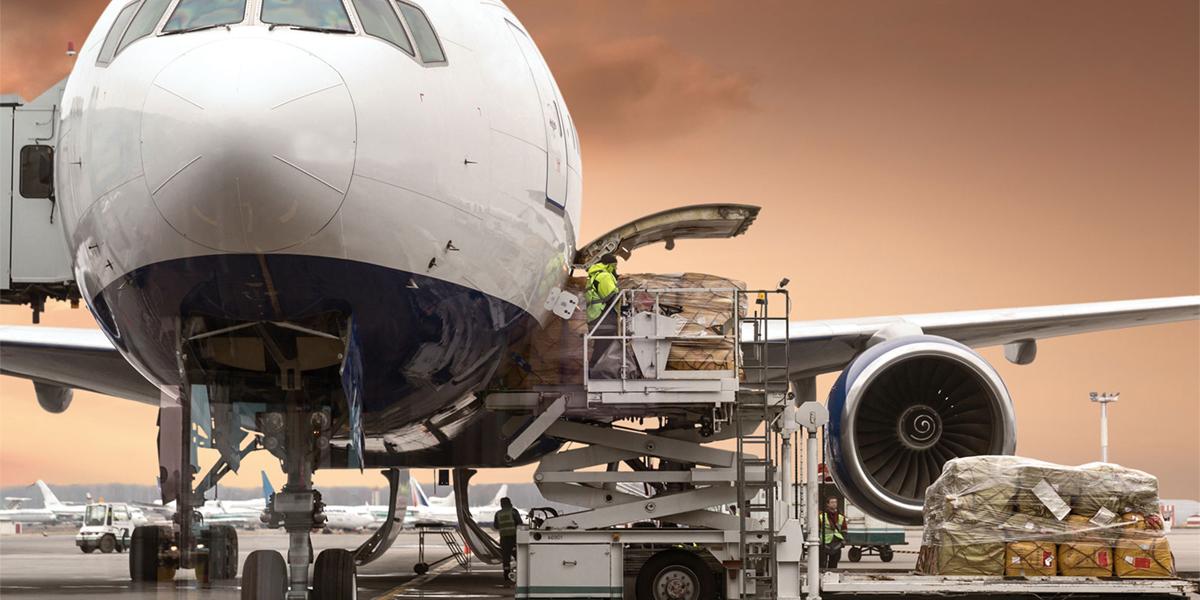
{"x":418,"y":581}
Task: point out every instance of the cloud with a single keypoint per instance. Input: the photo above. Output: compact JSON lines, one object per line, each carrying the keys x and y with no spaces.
{"x":634,"y":89}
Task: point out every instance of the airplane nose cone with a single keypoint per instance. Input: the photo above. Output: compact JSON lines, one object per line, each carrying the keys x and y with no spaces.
{"x":248,"y":145}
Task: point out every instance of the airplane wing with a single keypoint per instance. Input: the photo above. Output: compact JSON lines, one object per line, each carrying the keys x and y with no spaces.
{"x":60,"y":359}
{"x":817,"y":347}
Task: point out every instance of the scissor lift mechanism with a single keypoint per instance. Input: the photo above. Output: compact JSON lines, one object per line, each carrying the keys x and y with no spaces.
{"x":723,"y":501}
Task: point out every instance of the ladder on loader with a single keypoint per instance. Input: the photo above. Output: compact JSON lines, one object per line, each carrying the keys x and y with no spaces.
{"x":720,"y":503}
{"x":762,"y":395}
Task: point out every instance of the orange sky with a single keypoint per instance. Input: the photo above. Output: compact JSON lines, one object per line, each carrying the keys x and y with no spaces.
{"x":909,"y":157}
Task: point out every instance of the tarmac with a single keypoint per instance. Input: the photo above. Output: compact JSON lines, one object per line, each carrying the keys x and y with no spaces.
{"x":49,"y":566}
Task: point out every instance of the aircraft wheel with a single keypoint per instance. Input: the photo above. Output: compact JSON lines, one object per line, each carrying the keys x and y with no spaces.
{"x":108,"y":543}
{"x":421,"y":568}
{"x":886,"y":554}
{"x":855,"y":554}
{"x":222,"y":553}
{"x":264,"y":576}
{"x":675,"y":575}
{"x":143,"y":555}
{"x":335,"y":576}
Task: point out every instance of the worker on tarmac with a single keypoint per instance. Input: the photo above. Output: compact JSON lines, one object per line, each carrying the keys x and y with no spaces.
{"x":833,"y":533}
{"x":602,"y":291}
{"x":506,"y":521}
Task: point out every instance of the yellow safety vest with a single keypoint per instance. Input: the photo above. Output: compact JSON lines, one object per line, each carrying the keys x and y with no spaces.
{"x":601,"y":286}
{"x":827,"y":532}
{"x":506,"y":522}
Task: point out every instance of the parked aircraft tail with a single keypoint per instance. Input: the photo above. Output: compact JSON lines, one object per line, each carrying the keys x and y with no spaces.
{"x":268,"y":489}
{"x":49,"y":500}
{"x":500,"y":493}
{"x":416,"y":493}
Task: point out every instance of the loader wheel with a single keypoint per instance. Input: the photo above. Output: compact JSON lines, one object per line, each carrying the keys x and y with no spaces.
{"x":675,"y":575}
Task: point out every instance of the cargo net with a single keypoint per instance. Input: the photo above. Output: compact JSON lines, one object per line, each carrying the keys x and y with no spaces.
{"x":553,"y":354}
{"x":1012,"y":516}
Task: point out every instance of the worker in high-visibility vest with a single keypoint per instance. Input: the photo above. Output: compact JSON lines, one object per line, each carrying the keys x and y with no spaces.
{"x":833,"y":533}
{"x":506,"y":522}
{"x":602,"y":291}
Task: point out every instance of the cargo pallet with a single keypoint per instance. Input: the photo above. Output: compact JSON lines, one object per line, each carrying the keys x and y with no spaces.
{"x":861,"y":584}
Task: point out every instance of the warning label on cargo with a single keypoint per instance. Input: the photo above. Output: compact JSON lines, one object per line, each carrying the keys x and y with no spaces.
{"x":1045,"y":492}
{"x":1103,"y":517}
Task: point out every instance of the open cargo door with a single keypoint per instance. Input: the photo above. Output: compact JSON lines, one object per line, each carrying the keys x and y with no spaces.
{"x":685,"y":222}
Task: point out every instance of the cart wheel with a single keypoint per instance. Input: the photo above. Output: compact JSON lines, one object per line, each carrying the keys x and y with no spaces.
{"x":855,"y":554}
{"x":420,"y":568}
{"x":886,"y":554}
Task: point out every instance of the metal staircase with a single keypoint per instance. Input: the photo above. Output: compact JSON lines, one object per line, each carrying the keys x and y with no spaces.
{"x":760,"y":400}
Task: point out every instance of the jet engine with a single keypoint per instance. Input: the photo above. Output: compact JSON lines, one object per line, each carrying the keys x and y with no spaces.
{"x":901,"y":410}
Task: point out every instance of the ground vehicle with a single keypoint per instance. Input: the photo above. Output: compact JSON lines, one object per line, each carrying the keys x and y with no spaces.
{"x":106,"y":527}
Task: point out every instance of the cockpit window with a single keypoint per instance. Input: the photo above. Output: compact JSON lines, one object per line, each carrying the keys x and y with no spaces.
{"x":422,"y":30}
{"x":144,"y":22}
{"x":195,"y":14}
{"x":109,"y":49}
{"x":380,"y":20}
{"x":329,"y":15}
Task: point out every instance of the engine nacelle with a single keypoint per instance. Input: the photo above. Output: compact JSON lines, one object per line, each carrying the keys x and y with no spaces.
{"x":53,"y":398}
{"x":901,"y":410}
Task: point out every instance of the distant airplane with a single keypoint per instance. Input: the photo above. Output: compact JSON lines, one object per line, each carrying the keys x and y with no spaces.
{"x":239,"y":513}
{"x":15,"y":513}
{"x":424,"y":511}
{"x":63,"y":511}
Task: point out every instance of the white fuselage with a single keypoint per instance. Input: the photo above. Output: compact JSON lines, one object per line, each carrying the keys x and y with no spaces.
{"x":257,"y":174}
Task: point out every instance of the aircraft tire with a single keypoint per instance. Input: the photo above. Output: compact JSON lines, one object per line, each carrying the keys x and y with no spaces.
{"x":335,"y":576}
{"x":108,"y":543}
{"x":264,"y":576}
{"x":222,"y":554}
{"x":143,"y":555}
{"x":672,"y":574}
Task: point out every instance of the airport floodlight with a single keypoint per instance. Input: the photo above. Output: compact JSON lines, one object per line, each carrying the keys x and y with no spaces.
{"x":1103,"y":399}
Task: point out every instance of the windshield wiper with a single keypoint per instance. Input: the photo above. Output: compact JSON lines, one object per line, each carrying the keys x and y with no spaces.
{"x":196,"y":28}
{"x":319,"y":29}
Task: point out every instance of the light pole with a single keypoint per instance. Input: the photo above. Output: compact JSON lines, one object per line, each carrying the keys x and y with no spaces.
{"x":1103,"y":398}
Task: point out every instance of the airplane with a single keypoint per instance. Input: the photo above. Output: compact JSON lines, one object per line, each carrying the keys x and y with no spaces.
{"x":15,"y":513}
{"x":239,"y":513}
{"x":325,"y":222}
{"x":349,"y":518}
{"x":424,"y":511}
{"x":61,"y":510}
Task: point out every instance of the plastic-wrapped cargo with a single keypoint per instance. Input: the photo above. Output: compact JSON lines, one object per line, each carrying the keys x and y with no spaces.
{"x":1046,"y":519}
{"x":700,"y":312}
{"x":553,"y":354}
{"x":1077,"y":556}
{"x":1141,"y":549}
